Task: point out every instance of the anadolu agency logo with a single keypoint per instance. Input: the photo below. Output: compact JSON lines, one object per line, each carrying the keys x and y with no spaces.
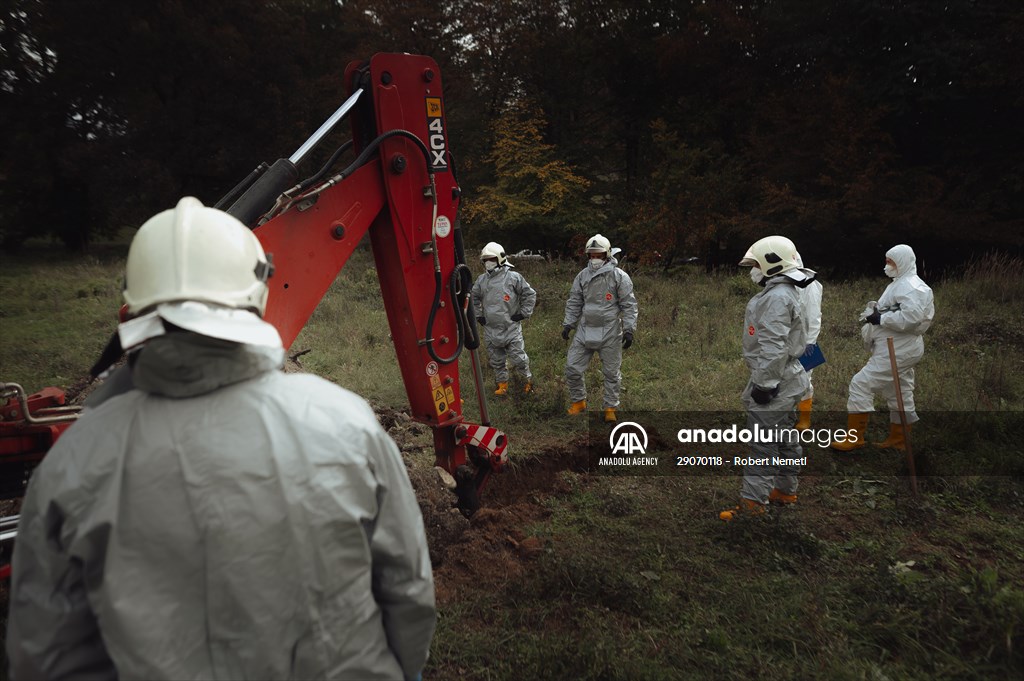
{"x":628,"y":443}
{"x":628,"y":438}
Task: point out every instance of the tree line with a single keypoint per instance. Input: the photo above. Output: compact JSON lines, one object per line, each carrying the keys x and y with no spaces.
{"x":679,"y":129}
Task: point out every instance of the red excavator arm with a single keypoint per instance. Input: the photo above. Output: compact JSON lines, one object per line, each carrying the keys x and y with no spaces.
{"x":401,"y":189}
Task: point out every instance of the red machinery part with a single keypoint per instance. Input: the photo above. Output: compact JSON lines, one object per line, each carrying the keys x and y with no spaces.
{"x":29,"y":426}
{"x":407,"y":198}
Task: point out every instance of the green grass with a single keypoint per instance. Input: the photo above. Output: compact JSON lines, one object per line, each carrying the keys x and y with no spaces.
{"x":640,"y":581}
{"x":56,"y":314}
{"x":637,"y":578}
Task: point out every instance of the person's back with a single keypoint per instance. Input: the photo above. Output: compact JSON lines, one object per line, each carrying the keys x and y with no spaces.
{"x":221,"y":520}
{"x":810,"y":311}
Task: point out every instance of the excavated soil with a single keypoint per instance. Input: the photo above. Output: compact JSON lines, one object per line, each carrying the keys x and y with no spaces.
{"x":492,"y":546}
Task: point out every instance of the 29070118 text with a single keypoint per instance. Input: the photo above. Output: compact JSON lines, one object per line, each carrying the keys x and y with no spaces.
{"x":699,"y":461}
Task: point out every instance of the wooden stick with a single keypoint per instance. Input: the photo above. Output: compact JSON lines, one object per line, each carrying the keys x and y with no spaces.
{"x":903,"y":416}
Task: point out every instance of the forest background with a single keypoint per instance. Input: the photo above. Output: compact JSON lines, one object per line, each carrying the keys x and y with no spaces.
{"x":679,"y":129}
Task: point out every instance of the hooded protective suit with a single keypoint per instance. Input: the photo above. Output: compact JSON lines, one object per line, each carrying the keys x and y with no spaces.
{"x":497,"y":296}
{"x":601,"y":307}
{"x":810,"y":301}
{"x":907,"y":309}
{"x":810,"y":310}
{"x":774,"y":339}
{"x":221,"y":520}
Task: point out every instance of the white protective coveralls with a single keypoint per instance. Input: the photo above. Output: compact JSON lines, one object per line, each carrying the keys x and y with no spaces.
{"x":810,"y":306}
{"x":497,"y":296}
{"x":774,"y":339}
{"x":601,"y":307}
{"x":907,"y":309}
{"x":222,"y":520}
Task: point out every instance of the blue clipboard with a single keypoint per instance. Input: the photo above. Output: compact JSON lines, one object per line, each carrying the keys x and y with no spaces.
{"x":812,"y":358}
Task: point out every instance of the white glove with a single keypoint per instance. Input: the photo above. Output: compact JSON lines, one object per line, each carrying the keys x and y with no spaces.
{"x":866,"y":335}
{"x":872,"y":304}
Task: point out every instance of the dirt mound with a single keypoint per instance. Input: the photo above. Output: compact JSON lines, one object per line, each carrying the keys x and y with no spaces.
{"x":495,"y":545}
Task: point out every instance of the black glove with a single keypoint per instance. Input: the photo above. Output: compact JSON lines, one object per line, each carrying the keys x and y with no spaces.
{"x":763,"y":395}
{"x":627,"y":339}
{"x":518,"y":317}
{"x":481,"y":321}
{"x":565,"y":332}
{"x":874,"y":318}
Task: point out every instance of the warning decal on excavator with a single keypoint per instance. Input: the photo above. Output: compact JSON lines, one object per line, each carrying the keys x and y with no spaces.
{"x":440,"y":401}
{"x":436,"y":136}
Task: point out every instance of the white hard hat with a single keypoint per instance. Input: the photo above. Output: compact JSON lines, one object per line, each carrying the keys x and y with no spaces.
{"x":598,"y":243}
{"x":772,"y":255}
{"x":203,"y":270}
{"x":493,"y":250}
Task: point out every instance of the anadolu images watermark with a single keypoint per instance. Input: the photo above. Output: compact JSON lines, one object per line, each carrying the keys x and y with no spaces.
{"x":822,"y":437}
{"x":722,"y":442}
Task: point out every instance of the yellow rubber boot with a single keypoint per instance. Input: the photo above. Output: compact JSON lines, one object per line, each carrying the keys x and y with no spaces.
{"x":778,"y":497}
{"x":609,"y":414}
{"x":747,"y":508}
{"x":857,"y":425}
{"x":804,"y":409}
{"x":577,"y":408}
{"x":528,"y":388}
{"x":896,"y":439}
{"x":502,"y":389}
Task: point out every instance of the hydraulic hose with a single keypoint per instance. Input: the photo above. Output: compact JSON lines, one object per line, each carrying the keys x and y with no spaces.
{"x":322,"y":173}
{"x":472,"y":333}
{"x":365,"y":155}
{"x":460,"y":281}
{"x":459,"y":294}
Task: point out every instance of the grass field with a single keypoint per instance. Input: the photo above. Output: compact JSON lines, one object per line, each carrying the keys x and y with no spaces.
{"x":575,"y":575}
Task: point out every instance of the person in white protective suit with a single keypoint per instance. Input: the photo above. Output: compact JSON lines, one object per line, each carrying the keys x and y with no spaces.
{"x":603,"y":310}
{"x":774,"y":339}
{"x":810,"y":298}
{"x":222,"y":519}
{"x":904,"y":312}
{"x":502,"y":300}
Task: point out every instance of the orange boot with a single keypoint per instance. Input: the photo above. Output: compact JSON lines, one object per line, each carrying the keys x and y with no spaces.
{"x":778,"y":497}
{"x":896,"y":439}
{"x":577,"y":408}
{"x":747,"y":508}
{"x":804,"y":409}
{"x":857,"y":425}
{"x":609,"y":414}
{"x":502,"y":389}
